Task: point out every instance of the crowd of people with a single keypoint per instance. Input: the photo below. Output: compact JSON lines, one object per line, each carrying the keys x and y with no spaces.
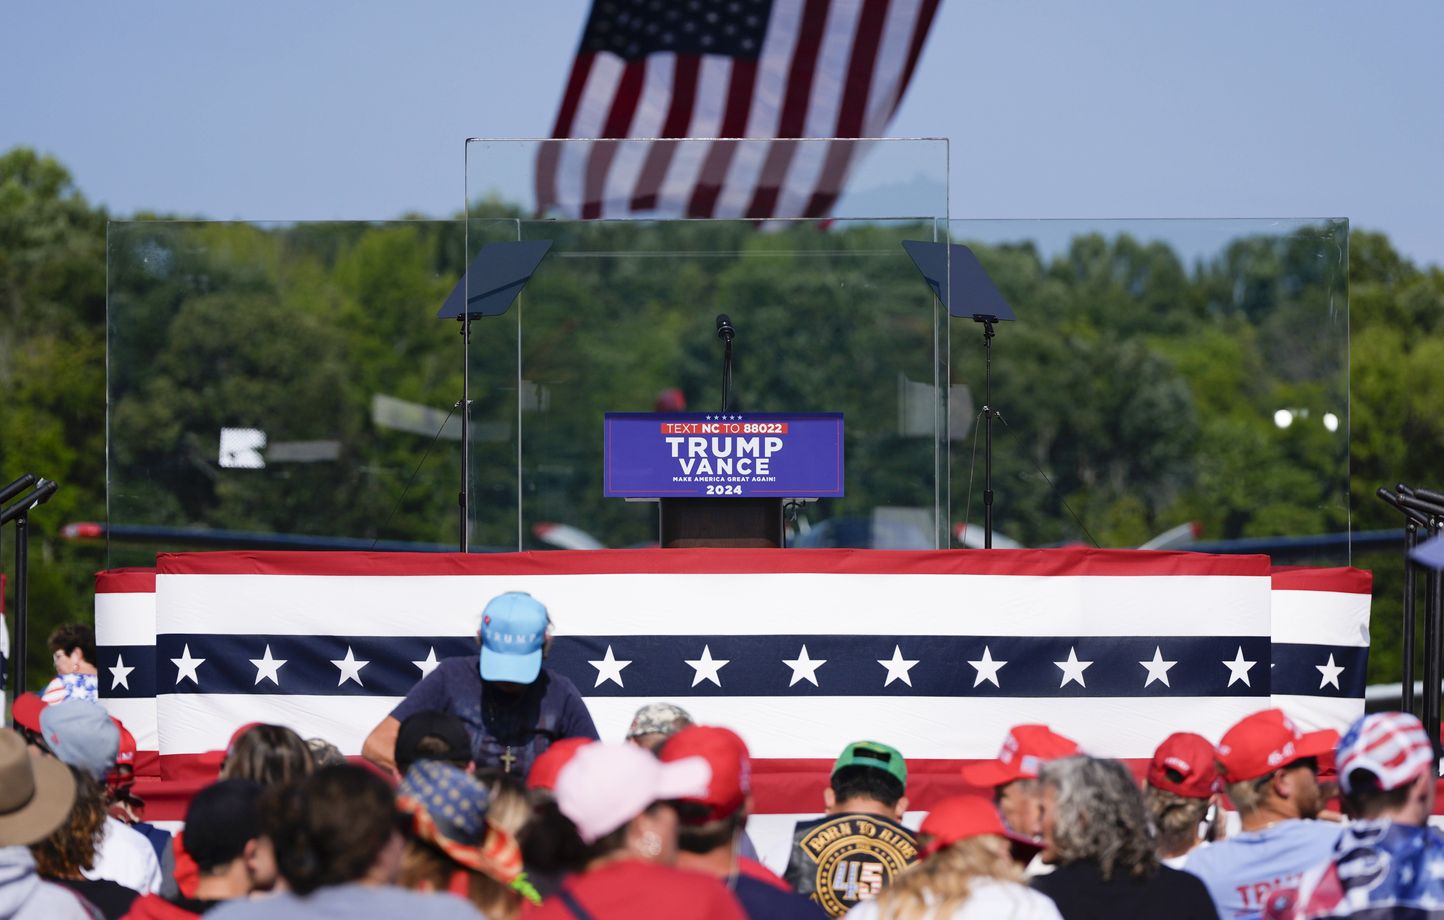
{"x":487,"y":793}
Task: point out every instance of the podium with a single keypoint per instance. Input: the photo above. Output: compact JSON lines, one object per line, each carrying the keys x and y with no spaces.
{"x":738,"y":523}
{"x":721,"y":480}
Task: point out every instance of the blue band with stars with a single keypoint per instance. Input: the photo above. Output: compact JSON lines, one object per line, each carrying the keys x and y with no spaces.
{"x":774,"y":665}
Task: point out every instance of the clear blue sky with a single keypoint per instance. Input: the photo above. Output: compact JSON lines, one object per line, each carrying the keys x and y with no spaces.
{"x":277,"y":109}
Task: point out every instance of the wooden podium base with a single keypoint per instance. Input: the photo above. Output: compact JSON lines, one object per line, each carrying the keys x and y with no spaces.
{"x":739,"y":523}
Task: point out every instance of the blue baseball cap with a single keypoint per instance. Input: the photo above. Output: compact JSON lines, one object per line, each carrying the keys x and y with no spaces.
{"x":513,"y":629}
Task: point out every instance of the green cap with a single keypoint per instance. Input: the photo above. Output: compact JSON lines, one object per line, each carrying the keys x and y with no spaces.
{"x":874,"y":754}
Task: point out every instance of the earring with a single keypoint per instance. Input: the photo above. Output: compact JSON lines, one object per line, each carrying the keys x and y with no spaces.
{"x":650,"y":844}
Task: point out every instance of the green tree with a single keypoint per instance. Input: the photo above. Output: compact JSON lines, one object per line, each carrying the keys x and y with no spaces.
{"x":52,"y":376}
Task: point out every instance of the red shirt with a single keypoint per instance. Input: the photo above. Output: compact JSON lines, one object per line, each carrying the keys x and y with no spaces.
{"x":635,"y":890}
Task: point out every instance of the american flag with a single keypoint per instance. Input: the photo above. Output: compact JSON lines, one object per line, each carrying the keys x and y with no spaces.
{"x":726,"y":69}
{"x":800,"y":651}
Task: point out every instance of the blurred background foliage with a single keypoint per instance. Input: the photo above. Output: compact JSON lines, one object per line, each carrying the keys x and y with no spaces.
{"x":1139,"y":394}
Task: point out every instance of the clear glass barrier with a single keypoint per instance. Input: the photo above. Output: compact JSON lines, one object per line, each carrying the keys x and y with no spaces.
{"x":831,"y":316}
{"x":1161,"y":374}
{"x":283,"y":379}
{"x":291,"y":380}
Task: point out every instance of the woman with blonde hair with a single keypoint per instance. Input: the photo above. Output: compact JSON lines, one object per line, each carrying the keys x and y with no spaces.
{"x":965,"y":872}
{"x":1181,"y":794}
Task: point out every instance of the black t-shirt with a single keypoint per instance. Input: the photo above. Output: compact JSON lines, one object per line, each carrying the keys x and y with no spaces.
{"x":112,"y":898}
{"x":1081,"y":894}
{"x":845,"y":859}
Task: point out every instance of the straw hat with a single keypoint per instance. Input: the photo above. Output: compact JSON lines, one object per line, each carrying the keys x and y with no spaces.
{"x":36,"y":793}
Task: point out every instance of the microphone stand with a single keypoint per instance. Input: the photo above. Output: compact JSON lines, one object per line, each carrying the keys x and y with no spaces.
{"x":725,"y":332}
{"x":988,"y":413}
{"x":1433,"y":511}
{"x":20,"y":514}
{"x":463,"y":496}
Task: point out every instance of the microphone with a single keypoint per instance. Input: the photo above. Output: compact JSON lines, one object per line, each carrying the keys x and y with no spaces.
{"x":725,"y":332}
{"x":44,"y":488}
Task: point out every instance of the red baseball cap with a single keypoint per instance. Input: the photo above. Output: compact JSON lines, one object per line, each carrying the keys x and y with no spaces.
{"x":1191,"y":759}
{"x":126,"y":754}
{"x":1024,"y":750}
{"x":731,"y":765}
{"x":26,"y":711}
{"x":1267,"y":741}
{"x":549,"y":763}
{"x":959,"y":818}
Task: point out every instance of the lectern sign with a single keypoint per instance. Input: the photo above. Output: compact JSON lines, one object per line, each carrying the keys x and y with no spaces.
{"x":652,"y":455}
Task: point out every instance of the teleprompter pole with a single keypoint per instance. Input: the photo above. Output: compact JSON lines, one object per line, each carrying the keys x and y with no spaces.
{"x":1411,"y":622}
{"x":22,"y":598}
{"x":463,"y":495}
{"x":988,"y":414}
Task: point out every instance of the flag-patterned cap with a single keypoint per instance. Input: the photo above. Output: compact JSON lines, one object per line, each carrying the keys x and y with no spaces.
{"x":448,"y":810}
{"x":1024,"y":750}
{"x":1393,"y":746}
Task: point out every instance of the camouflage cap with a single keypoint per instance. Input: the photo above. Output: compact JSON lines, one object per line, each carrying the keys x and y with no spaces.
{"x":659,"y":719}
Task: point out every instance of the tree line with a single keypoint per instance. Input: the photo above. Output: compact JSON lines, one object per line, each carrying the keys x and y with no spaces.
{"x":1140,"y":393}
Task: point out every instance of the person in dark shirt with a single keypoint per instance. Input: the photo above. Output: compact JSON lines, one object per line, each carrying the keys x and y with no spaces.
{"x":855,"y":852}
{"x":223,"y":827}
{"x":1095,"y":830}
{"x":710,"y":826}
{"x":512,"y":706}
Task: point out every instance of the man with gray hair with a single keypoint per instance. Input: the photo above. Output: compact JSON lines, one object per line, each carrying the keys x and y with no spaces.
{"x":1096,"y":831}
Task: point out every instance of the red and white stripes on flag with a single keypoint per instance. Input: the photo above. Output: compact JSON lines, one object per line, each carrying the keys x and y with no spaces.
{"x":801,"y":651}
{"x":726,"y":69}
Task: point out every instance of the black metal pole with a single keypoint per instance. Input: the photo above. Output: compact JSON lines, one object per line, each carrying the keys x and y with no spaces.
{"x":987,"y":434}
{"x":1411,"y":623}
{"x":726,"y":372}
{"x":15,"y":488}
{"x":463,"y":496}
{"x":1433,"y":652}
{"x":22,"y":590}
